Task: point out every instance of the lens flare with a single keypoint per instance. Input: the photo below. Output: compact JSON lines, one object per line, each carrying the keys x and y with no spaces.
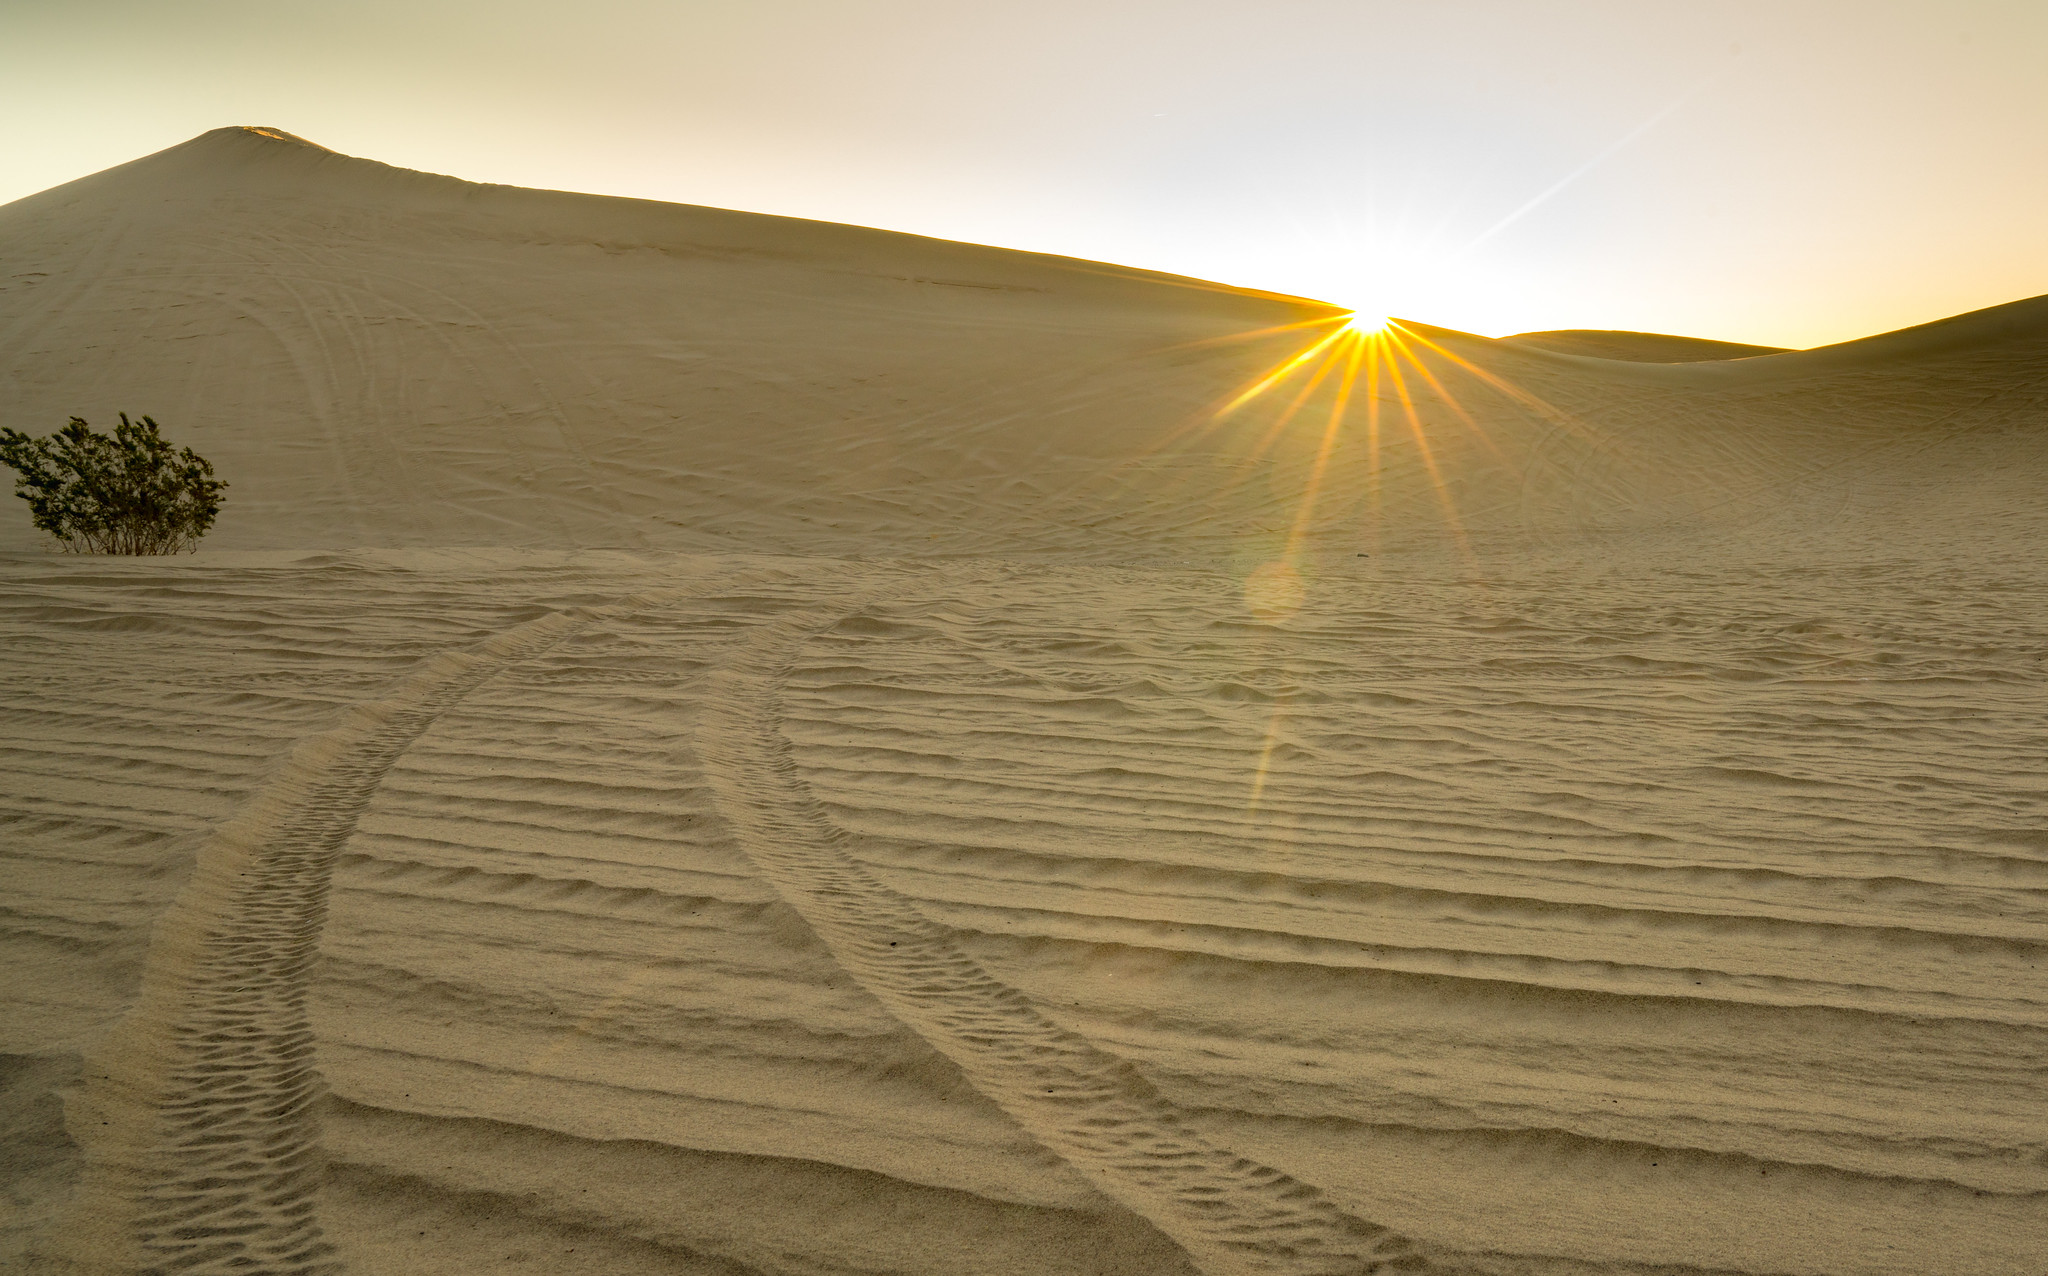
{"x":1274,"y":591}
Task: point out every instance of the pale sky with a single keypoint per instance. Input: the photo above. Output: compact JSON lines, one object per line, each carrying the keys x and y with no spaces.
{"x":1785,"y":172}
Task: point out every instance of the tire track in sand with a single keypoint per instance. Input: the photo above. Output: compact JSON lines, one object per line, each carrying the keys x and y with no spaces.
{"x":196,"y":1115}
{"x":1232,"y":1215}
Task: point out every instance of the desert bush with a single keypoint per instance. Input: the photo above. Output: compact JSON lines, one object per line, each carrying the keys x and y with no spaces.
{"x":133,"y":493}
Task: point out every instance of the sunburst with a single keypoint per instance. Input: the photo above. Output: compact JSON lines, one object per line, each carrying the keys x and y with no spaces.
{"x":1376,"y":359}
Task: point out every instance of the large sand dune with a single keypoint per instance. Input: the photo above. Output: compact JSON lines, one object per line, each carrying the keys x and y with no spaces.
{"x":706,"y":742}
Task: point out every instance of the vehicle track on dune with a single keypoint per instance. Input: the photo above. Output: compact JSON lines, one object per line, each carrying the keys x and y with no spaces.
{"x":196,"y":1114}
{"x":1095,"y":1110}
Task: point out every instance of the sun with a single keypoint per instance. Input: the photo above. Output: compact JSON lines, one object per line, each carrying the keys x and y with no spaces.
{"x":1366,"y":324}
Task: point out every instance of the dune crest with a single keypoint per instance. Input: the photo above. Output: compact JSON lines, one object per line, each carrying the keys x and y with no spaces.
{"x":378,"y":357}
{"x":1638,"y":347}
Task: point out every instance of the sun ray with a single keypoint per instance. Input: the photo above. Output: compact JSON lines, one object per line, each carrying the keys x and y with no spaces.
{"x":1548,"y":411}
{"x":1600,"y":157}
{"x":1294,"y":405}
{"x":1449,"y":399}
{"x":1368,"y":360}
{"x":1251,"y":334}
{"x":1359,"y":353}
{"x":1203,"y":420}
{"x":1313,"y":490}
{"x":1265,"y":765}
{"x":1375,"y":352}
{"x":1428,"y":456}
{"x":1279,"y":374}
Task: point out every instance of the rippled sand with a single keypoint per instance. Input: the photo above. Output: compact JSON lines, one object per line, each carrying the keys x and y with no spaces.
{"x":716,"y":744}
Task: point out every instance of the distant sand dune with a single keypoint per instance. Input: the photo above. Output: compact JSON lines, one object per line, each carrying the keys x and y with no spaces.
{"x":1638,"y":347}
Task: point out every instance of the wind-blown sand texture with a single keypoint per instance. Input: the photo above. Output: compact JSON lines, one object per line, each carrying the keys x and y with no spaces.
{"x":711,"y":743}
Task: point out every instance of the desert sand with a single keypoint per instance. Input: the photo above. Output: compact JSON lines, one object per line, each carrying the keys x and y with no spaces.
{"x":713,"y":743}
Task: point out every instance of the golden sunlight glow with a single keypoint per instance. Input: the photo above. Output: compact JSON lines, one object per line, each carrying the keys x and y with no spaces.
{"x":1363,"y":377}
{"x":1371,"y":362}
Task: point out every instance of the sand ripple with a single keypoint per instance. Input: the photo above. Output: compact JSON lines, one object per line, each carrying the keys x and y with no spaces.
{"x":1695,"y":926}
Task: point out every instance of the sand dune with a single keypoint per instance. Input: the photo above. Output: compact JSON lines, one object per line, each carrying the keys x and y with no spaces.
{"x":714,"y":743}
{"x":1638,"y":347}
{"x":380,"y":358}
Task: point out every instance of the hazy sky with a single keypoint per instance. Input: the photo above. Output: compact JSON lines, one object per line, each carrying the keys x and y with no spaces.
{"x":1787,"y":173}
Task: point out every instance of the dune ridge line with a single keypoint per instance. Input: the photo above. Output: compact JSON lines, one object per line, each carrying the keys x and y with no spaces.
{"x":1232,"y":1215}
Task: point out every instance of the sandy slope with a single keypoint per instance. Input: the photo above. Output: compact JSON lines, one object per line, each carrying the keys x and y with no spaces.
{"x":711,"y":743}
{"x":1638,"y":347}
{"x":376,"y":357}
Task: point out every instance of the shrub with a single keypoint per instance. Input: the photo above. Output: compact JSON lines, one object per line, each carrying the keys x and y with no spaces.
{"x":130,"y":494}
